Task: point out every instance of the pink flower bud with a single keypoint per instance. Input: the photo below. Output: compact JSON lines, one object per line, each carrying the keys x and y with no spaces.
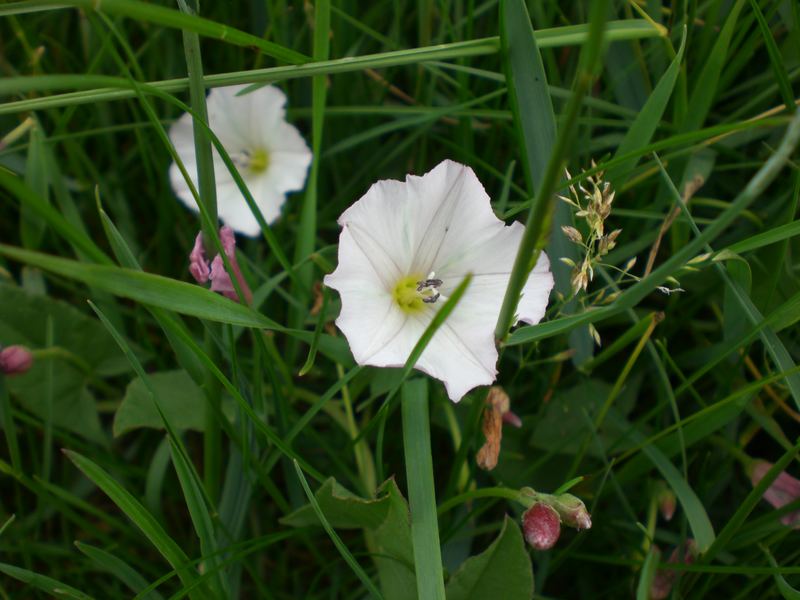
{"x":666,"y":503}
{"x":215,"y":272}
{"x":784,"y":490}
{"x":661,"y":587}
{"x":541,"y":526}
{"x":198,"y":264}
{"x":15,"y":360}
{"x":512,"y":418}
{"x":572,"y":511}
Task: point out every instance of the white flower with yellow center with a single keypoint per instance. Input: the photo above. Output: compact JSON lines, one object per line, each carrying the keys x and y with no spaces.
{"x":404,"y":247}
{"x":269,"y":153}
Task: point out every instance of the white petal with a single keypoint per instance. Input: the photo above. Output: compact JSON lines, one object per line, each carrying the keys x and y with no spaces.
{"x":247,"y":122}
{"x":232,"y":208}
{"x":370,"y":319}
{"x":450,"y":210}
{"x":289,"y":159}
{"x":490,"y":261}
{"x":379,"y":222}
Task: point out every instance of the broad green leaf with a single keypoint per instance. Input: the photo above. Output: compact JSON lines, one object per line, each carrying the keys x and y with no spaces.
{"x":83,"y":351}
{"x":503,"y":570}
{"x":385,"y":520}
{"x":342,"y":508}
{"x":182,"y":401}
{"x":563,"y":423}
{"x":340,"y":546}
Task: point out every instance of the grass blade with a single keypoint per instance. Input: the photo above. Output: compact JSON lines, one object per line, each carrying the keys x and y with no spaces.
{"x":118,"y":568}
{"x":337,"y":541}
{"x":44,"y":583}
{"x":148,"y":525}
{"x":421,"y":490}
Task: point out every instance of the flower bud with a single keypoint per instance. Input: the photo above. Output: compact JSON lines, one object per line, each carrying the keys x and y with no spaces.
{"x":541,"y":526}
{"x":666,"y":503}
{"x":15,"y":360}
{"x":784,"y":490}
{"x":664,"y":580}
{"x":572,"y":511}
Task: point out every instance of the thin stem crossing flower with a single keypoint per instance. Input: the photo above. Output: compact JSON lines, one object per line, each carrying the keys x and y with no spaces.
{"x":269,"y":153}
{"x":404,"y":248}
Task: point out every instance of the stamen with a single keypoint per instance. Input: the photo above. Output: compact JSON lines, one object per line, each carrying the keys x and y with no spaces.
{"x":412,"y":293}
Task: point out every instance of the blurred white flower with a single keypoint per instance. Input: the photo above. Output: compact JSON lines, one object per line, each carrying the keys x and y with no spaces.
{"x":404,"y":247}
{"x":269,"y":153}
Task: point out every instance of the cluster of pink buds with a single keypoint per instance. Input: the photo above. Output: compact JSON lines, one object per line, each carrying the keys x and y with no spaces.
{"x":542,"y":522}
{"x":214,"y":271}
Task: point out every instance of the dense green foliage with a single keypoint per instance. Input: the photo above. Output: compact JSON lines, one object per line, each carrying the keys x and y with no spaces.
{"x":195,"y":431}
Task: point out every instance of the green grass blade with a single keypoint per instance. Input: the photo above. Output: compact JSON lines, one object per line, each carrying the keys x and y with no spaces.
{"x":780,"y":355}
{"x":153,"y":290}
{"x":125,"y":501}
{"x":705,"y":88}
{"x":633,"y":295}
{"x":542,"y":210}
{"x":307,"y":228}
{"x":775,"y":59}
{"x":644,"y":126}
{"x":421,"y":490}
{"x":118,"y":568}
{"x":27,"y":197}
{"x":551,"y":38}
{"x":165,"y":17}
{"x":44,"y":583}
{"x":337,"y":541}
{"x":202,"y":146}
{"x":528,"y":93}
{"x":647,"y":574}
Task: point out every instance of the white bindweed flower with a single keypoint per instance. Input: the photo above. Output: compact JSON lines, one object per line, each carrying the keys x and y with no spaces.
{"x":269,"y":153}
{"x":403,"y":249}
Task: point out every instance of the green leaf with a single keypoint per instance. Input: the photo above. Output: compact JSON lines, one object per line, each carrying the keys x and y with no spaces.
{"x":527,"y":91}
{"x":83,"y":351}
{"x":342,"y":508}
{"x":125,"y":501}
{"x":385,"y":520}
{"x":563,"y":422}
{"x":181,"y":398}
{"x":44,"y":583}
{"x":348,"y":557}
{"x":503,"y":570}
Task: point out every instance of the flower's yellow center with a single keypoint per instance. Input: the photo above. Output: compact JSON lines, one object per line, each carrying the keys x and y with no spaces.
{"x":413,"y":292}
{"x":259,"y":161}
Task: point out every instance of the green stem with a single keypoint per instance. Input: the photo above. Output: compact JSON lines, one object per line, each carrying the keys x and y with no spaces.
{"x":421,"y":492}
